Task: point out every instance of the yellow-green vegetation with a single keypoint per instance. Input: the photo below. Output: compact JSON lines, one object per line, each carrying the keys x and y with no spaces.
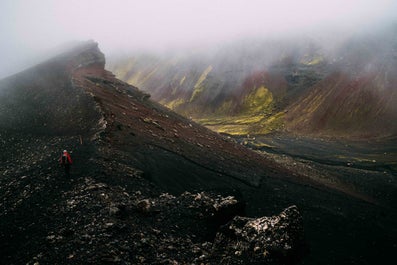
{"x":198,"y":87}
{"x":182,"y":80}
{"x":135,"y":79}
{"x":173,"y":104}
{"x":230,"y":120}
{"x":139,"y":78}
{"x":255,"y":117}
{"x":274,"y":123}
{"x":242,"y":125}
{"x":258,"y":101}
{"x":235,"y":125}
{"x":312,"y":60}
{"x":225,"y":108}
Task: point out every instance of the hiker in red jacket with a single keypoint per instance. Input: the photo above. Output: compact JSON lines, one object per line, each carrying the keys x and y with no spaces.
{"x":66,"y":161}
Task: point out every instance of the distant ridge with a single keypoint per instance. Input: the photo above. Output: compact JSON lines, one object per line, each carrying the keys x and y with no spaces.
{"x":296,"y":87}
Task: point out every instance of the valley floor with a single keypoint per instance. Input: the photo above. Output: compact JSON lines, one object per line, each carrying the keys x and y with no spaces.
{"x":350,"y":218}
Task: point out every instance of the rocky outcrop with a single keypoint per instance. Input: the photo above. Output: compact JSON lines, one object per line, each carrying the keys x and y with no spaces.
{"x":108,"y":224}
{"x":265,"y":240}
{"x":88,"y":54}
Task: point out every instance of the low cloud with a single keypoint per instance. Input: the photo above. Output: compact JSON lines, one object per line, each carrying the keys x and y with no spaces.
{"x":32,"y":28}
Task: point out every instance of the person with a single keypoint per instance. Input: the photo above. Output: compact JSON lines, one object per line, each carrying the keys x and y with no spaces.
{"x":66,"y":162}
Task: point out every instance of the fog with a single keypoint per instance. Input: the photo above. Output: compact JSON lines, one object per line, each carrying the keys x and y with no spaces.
{"x":32,"y":31}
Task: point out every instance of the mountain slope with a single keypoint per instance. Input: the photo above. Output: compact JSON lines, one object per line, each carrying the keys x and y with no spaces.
{"x":132,"y":160}
{"x":341,"y":105}
{"x":247,"y":88}
{"x":128,"y":153}
{"x":85,"y":98}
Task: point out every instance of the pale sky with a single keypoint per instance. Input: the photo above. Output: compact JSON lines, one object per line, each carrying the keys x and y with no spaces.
{"x":30,"y":28}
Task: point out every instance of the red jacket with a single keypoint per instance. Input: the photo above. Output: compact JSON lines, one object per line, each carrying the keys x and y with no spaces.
{"x":69,"y":159}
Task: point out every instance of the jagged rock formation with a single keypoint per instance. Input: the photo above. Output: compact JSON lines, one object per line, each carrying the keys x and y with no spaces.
{"x":298,"y":86}
{"x":268,"y":240}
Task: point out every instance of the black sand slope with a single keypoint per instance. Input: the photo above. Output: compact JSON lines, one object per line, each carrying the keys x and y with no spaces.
{"x":134,"y":160}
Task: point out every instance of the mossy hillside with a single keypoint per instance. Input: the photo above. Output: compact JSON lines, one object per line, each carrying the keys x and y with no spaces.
{"x":174,"y":104}
{"x":310,"y":60}
{"x":255,"y":117}
{"x":238,"y":104}
{"x":243,"y":125}
{"x":235,"y":125}
{"x":259,"y":101}
{"x":199,"y":87}
{"x":274,"y":123}
{"x":199,"y":94}
{"x":182,"y":80}
{"x":162,"y":78}
{"x":344,"y":106}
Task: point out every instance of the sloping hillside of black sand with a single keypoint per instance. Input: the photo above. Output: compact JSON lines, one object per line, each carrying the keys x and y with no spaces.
{"x":150,"y":187}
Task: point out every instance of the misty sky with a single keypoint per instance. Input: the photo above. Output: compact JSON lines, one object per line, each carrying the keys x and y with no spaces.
{"x":31,"y":29}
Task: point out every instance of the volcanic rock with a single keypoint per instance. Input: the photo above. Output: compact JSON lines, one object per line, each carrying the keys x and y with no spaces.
{"x":265,"y":240}
{"x":125,"y":199}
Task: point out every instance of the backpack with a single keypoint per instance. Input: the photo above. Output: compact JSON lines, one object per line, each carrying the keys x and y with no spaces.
{"x":65,"y":160}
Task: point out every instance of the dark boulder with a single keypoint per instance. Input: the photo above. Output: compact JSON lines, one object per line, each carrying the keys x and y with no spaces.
{"x":199,"y":214}
{"x":265,"y":240}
